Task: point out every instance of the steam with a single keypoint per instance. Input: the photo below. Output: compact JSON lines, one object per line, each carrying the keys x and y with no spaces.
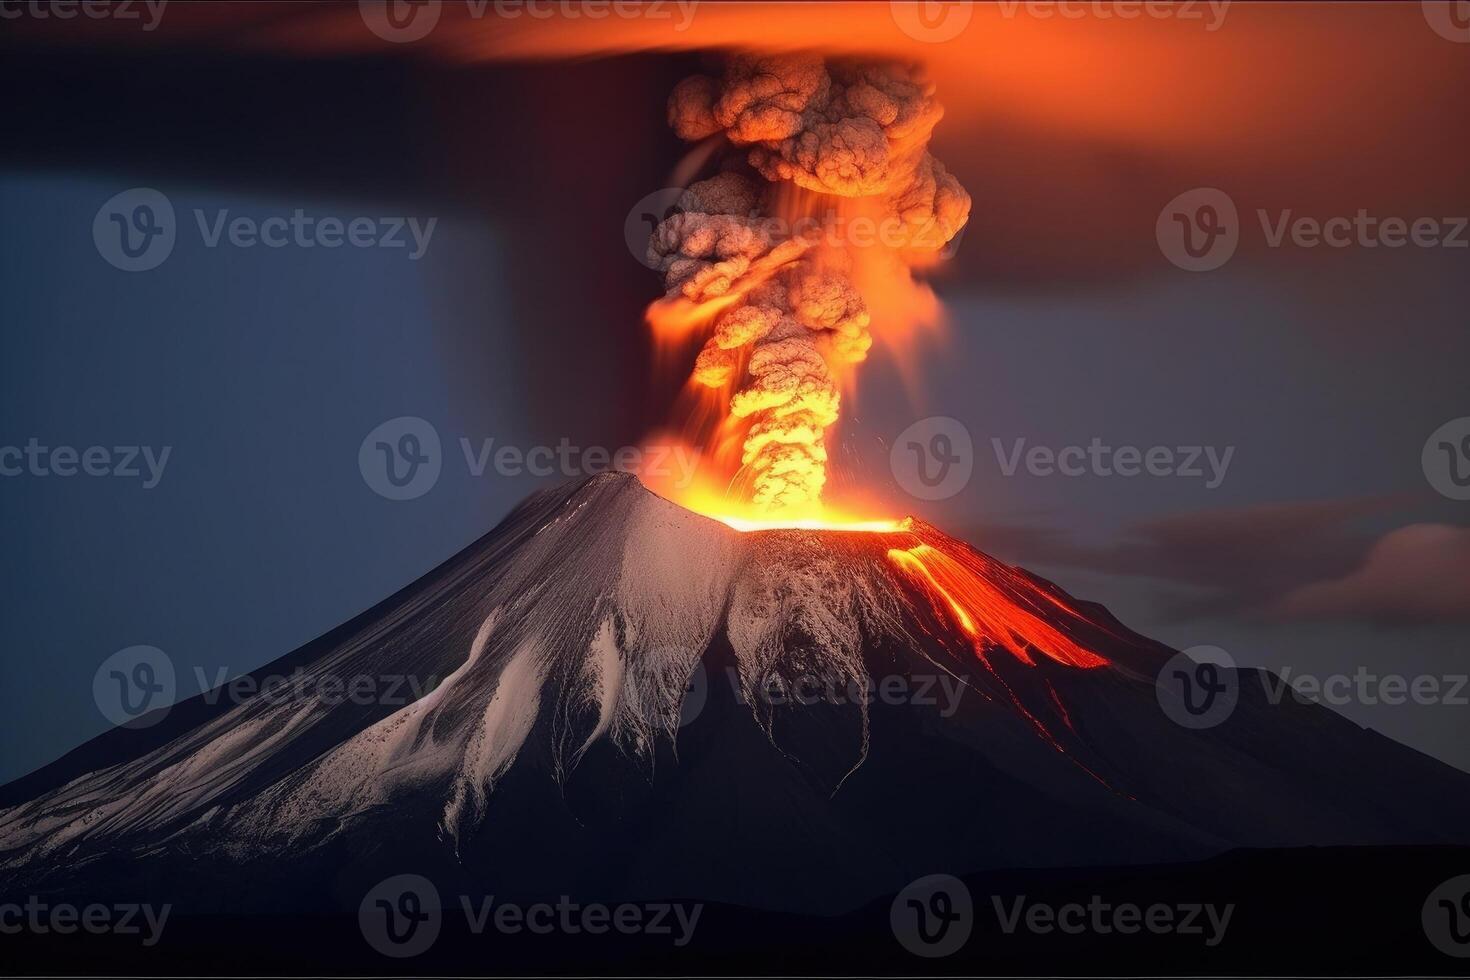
{"x":764,"y":245}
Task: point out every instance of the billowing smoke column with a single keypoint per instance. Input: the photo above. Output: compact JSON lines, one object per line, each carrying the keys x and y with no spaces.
{"x":745,"y":241}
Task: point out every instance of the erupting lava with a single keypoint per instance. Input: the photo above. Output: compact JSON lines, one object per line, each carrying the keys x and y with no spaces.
{"x":997,"y":607}
{"x":985,"y":612}
{"x":786,"y":262}
{"x":830,"y":198}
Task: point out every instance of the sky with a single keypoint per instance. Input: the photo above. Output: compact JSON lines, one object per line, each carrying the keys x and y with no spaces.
{"x":1322,"y":549}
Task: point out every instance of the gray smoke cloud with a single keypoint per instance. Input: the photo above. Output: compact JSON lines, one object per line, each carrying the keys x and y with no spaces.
{"x":788,"y":310}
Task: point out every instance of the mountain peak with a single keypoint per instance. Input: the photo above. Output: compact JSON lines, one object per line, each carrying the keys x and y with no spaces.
{"x":605,"y":652}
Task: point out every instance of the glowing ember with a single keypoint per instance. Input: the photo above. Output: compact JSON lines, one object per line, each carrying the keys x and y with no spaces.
{"x":831,"y":197}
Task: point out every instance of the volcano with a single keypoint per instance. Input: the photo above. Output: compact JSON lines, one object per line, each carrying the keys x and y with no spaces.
{"x":623,"y":698}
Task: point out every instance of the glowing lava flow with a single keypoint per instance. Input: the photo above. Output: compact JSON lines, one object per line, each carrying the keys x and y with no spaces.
{"x":985,"y":612}
{"x":985,"y":600}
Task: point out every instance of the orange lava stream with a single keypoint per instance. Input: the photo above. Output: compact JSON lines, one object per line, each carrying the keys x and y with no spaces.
{"x":985,"y":612}
{"x":974,"y":593}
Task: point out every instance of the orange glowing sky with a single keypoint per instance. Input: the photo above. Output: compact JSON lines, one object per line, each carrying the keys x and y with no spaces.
{"x":1251,"y":90}
{"x":1274,"y":101}
{"x":1275,"y":81}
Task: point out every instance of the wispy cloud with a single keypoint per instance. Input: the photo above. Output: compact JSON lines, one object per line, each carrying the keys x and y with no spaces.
{"x":1291,"y":560}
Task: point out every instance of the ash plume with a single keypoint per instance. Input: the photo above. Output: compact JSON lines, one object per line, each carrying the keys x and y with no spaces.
{"x":762,"y":249}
